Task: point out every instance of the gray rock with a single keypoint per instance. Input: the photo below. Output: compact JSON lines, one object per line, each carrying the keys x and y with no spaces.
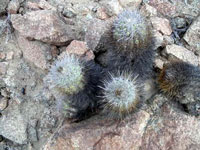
{"x":23,"y":81}
{"x":3,"y":103}
{"x":98,"y":34}
{"x":192,"y":36}
{"x":182,"y":54}
{"x":12,"y":125}
{"x":113,"y":7}
{"x":3,"y":5}
{"x":13,"y":6}
{"x":44,"y":25}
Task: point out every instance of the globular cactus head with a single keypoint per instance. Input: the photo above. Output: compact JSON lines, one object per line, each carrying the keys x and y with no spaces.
{"x":131,"y":30}
{"x":66,"y":74}
{"x":121,"y":94}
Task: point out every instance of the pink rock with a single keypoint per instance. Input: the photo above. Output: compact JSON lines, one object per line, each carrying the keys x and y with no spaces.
{"x":80,"y":48}
{"x":43,"y":25}
{"x":2,"y":56}
{"x":162,"y":25}
{"x":13,"y":6}
{"x":33,"y":6}
{"x":101,"y":134}
{"x":34,"y":51}
{"x":192,"y":36}
{"x":101,"y":14}
{"x":172,"y":130}
{"x":164,"y":7}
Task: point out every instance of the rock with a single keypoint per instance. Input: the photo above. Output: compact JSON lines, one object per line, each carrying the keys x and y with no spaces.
{"x":101,"y":13}
{"x":2,"y":55}
{"x":113,"y":7}
{"x":3,"y":68}
{"x":12,"y":125}
{"x":159,"y":63}
{"x":162,"y":25}
{"x":172,"y":129}
{"x":77,"y":47}
{"x":101,"y":133}
{"x":23,"y":80}
{"x":80,"y":48}
{"x":180,"y":22}
{"x":164,"y":7}
{"x":3,"y":103}
{"x":3,"y":5}
{"x":35,"y":51}
{"x":148,"y":10}
{"x":159,"y":39}
{"x":134,"y":4}
{"x":45,"y":5}
{"x":43,"y":25}
{"x":182,"y":54}
{"x":68,"y":13}
{"x":13,"y":6}
{"x":192,"y":36}
{"x":32,"y":6}
{"x":98,"y":34}
{"x":9,"y":55}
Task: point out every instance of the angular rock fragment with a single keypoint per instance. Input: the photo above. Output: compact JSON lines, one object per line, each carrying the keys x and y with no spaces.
{"x":43,"y":25}
{"x":182,"y":54}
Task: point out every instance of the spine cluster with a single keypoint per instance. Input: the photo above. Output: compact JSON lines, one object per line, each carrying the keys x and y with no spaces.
{"x":121,"y":93}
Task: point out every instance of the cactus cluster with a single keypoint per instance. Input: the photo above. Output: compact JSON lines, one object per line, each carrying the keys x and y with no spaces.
{"x":123,"y":84}
{"x":87,"y":86}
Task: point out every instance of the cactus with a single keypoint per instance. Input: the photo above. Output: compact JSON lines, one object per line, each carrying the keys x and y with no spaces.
{"x":131,"y":31}
{"x":180,"y":81}
{"x":121,"y":93}
{"x":74,"y":83}
{"x":67,"y":75}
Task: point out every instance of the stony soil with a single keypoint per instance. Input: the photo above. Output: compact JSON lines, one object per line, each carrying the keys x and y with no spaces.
{"x":34,"y":32}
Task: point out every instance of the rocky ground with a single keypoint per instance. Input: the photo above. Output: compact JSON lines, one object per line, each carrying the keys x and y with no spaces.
{"x":34,"y":32}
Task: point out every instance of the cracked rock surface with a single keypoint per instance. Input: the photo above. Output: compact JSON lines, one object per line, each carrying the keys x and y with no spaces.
{"x":33,"y":33}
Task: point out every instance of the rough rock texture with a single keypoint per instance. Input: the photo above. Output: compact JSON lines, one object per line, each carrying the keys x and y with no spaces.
{"x":13,"y":125}
{"x":35,"y":51}
{"x":100,"y":133}
{"x":13,"y":6}
{"x":97,"y":33}
{"x":134,"y":4}
{"x":162,"y":25}
{"x":113,"y":7}
{"x":43,"y":25}
{"x":192,"y":36}
{"x":44,"y":29}
{"x":172,"y":129}
{"x":3,"y":5}
{"x":3,"y":103}
{"x":182,"y":54}
{"x":80,"y":48}
{"x":168,"y":128}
